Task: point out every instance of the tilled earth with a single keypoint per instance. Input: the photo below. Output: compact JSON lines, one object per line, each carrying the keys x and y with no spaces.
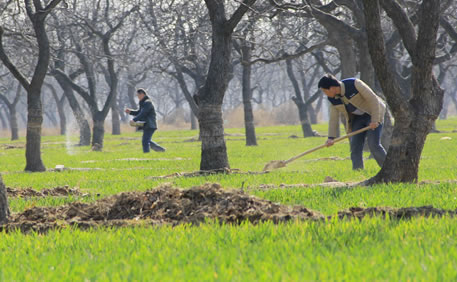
{"x":55,"y":192}
{"x":167,"y":205}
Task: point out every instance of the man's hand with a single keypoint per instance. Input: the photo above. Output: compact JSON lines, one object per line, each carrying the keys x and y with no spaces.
{"x":373,"y":125}
{"x":329,"y":142}
{"x":127,"y":111}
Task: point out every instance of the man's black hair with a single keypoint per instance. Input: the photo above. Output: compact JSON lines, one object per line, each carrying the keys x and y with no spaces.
{"x":141,"y":90}
{"x":328,"y":81}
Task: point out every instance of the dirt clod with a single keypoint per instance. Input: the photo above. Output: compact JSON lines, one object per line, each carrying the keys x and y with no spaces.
{"x":329,"y":179}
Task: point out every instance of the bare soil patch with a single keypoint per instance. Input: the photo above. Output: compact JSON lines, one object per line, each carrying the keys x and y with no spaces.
{"x":53,"y":192}
{"x":395,"y":213}
{"x":163,"y":205}
{"x":173,"y":206}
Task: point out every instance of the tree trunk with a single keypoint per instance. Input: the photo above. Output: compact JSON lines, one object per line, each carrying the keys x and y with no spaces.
{"x":4,"y":209}
{"x":416,"y":112}
{"x":116,"y":123}
{"x":13,"y":124}
{"x":33,"y":137}
{"x":214,"y":151}
{"x":444,"y":111}
{"x":131,"y":90}
{"x":403,"y":157}
{"x":211,"y":96}
{"x":193,"y":120}
{"x":3,"y":121}
{"x":387,"y":130}
{"x":312,"y":113}
{"x":98,"y":132}
{"x":298,"y":100}
{"x":63,"y":120}
{"x":303,"y":115}
{"x":249,"y":126}
{"x":84,"y":127}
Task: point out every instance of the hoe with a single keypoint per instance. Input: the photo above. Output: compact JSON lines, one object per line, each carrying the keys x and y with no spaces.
{"x":278,"y":164}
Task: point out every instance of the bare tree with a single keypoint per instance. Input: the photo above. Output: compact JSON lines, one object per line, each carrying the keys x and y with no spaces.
{"x":414,"y":111}
{"x":37,"y":15}
{"x":105,"y":31}
{"x":12,"y":110}
{"x":211,"y":95}
{"x":60,"y":103}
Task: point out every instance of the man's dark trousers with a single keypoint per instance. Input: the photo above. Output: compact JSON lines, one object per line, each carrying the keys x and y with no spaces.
{"x":358,"y":141}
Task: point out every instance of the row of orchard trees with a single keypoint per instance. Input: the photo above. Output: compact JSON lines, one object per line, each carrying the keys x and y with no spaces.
{"x":94,"y":53}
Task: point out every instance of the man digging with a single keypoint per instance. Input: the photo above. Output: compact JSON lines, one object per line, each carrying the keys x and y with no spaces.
{"x":361,"y":107}
{"x":146,"y":116}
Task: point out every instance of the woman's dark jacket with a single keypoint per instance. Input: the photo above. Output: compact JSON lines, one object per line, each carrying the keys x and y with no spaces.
{"x":146,"y":113}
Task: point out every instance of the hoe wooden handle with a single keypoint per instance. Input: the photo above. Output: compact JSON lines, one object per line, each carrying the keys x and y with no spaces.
{"x":324,"y":145}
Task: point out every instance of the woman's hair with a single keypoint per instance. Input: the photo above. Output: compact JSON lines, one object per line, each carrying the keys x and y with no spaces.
{"x":141,"y":90}
{"x":328,"y":81}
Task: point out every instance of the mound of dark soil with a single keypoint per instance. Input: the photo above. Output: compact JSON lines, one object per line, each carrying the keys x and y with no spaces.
{"x":163,"y":205}
{"x":167,"y":205}
{"x":54,"y":192}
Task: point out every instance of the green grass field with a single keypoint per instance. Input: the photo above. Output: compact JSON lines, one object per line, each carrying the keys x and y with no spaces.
{"x":371,"y":249}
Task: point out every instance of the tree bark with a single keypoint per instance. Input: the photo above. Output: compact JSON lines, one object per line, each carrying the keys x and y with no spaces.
{"x":34,"y":107}
{"x":60,"y":102}
{"x":298,"y":100}
{"x":249,"y":127}
{"x":83,"y":124}
{"x":193,"y":120}
{"x":211,"y":96}
{"x":214,"y":150}
{"x":116,"y":123}
{"x":3,"y":121}
{"x":4,"y":208}
{"x":414,"y":116}
{"x":98,"y":133}
{"x":33,"y":137}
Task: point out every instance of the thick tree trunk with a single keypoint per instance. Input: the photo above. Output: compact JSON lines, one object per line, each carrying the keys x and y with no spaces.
{"x":415,"y":113}
{"x":214,"y":151}
{"x":98,"y":132}
{"x":211,"y":96}
{"x":33,"y":137}
{"x":4,"y":209}
{"x":249,"y":127}
{"x":403,"y":156}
